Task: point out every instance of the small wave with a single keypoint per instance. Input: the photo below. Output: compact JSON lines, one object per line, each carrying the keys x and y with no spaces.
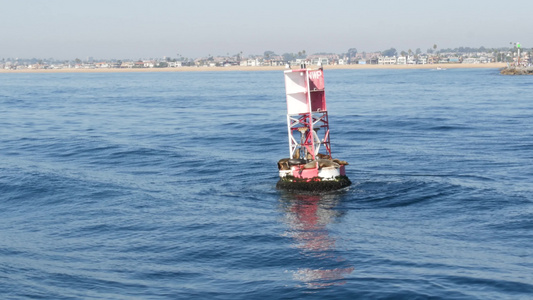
{"x":493,"y":288}
{"x":398,"y":193}
{"x":448,"y":128}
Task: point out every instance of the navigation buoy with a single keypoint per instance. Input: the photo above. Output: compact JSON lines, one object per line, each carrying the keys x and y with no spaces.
{"x":310,"y":165}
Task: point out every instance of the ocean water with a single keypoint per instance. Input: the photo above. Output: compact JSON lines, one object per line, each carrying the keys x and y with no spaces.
{"x":162,"y":186}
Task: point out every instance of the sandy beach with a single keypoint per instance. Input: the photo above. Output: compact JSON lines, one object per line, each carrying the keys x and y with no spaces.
{"x":264,"y":68}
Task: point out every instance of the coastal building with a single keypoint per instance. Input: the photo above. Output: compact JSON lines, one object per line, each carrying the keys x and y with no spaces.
{"x":471,"y":60}
{"x":387,"y":60}
{"x":367,"y":58}
{"x":9,"y":66}
{"x":402,"y":60}
{"x":56,"y":67}
{"x":422,"y":60}
{"x":102,"y":65}
{"x":299,"y":62}
{"x":453,"y":59}
{"x":127,"y":64}
{"x":174,"y":64}
{"x":148,"y":63}
{"x":36,"y":66}
{"x":326,"y":59}
{"x":320,"y":61}
{"x":250,"y":63}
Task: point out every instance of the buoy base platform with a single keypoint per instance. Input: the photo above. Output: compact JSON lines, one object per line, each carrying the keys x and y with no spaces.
{"x":314,"y":185}
{"x":319,"y":175}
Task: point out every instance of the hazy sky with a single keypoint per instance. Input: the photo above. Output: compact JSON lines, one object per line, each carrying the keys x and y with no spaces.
{"x":68,"y":29}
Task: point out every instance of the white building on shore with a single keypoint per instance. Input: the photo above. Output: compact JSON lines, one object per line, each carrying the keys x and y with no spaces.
{"x":387,"y":60}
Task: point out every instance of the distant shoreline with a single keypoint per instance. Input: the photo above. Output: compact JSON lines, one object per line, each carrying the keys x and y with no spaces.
{"x":262,"y":68}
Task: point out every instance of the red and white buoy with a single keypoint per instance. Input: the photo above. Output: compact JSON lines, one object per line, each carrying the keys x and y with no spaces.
{"x":310,"y":166}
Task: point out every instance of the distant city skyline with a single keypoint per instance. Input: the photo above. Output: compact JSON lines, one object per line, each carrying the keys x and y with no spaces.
{"x":65,"y":29}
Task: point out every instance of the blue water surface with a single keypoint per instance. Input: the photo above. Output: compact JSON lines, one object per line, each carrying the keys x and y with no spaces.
{"x":162,"y":186}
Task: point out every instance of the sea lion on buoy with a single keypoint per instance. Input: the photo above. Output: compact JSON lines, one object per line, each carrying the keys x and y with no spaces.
{"x":323,"y":156}
{"x":322,"y":163}
{"x":283,"y":164}
{"x":341,"y":162}
{"x":327,"y":163}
